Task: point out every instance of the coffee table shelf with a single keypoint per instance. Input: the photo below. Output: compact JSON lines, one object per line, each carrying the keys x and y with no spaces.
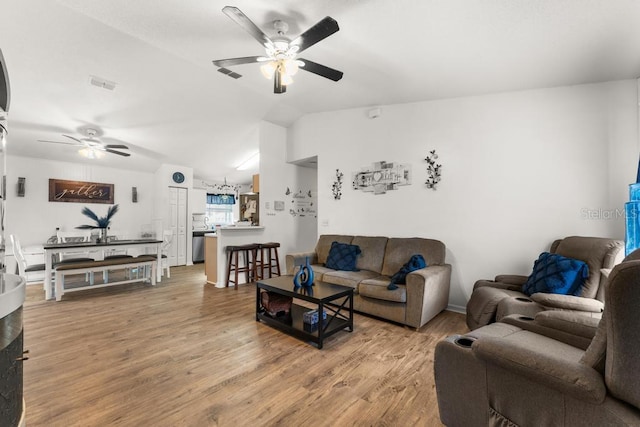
{"x":335,"y":300}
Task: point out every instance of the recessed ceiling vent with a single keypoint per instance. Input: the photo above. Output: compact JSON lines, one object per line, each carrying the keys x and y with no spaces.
{"x":229,"y":73}
{"x":103,"y":83}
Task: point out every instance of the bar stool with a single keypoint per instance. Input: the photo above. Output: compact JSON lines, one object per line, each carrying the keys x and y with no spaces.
{"x":272,"y":264}
{"x":249,"y":254}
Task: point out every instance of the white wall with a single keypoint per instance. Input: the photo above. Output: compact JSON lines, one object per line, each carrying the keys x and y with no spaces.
{"x":34,"y":219}
{"x":294,"y":233}
{"x":518,"y":171}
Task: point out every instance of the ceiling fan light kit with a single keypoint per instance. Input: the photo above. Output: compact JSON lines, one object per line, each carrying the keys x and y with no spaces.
{"x":281,"y":62}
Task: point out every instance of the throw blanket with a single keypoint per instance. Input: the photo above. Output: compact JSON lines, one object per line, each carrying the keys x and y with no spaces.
{"x":416,"y":262}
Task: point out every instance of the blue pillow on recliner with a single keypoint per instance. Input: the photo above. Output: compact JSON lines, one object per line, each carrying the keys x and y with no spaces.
{"x":555,"y":274}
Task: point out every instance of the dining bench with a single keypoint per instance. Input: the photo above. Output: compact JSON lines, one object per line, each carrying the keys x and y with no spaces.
{"x":141,"y":263}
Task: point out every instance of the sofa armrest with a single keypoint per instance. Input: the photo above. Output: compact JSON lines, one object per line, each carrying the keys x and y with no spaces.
{"x":544,"y":361}
{"x":295,"y":259}
{"x":512,"y":279}
{"x":568,"y":327}
{"x":568,"y":302}
{"x":498,"y":285}
{"x":427,"y":293}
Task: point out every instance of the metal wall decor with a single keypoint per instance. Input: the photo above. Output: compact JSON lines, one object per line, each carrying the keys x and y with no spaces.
{"x":336,"y":189}
{"x":433,"y":170}
{"x":382,"y":177}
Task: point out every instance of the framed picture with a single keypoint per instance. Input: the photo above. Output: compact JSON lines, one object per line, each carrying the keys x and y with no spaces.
{"x":61,"y":190}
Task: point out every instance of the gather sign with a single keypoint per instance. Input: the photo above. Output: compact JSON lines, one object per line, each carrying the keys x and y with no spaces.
{"x":61,"y":190}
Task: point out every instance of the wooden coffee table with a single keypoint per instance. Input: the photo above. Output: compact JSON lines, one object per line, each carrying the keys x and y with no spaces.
{"x":335,"y":300}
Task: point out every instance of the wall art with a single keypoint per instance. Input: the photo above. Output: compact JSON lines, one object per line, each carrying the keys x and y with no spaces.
{"x":336,"y":189}
{"x":61,"y":190}
{"x":382,"y":177}
{"x":433,"y":170}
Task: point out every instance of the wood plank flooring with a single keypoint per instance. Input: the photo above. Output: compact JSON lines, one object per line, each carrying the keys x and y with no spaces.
{"x":189,"y":354}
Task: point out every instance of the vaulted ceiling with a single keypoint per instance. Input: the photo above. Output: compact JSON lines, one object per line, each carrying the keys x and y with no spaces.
{"x":170,"y":105}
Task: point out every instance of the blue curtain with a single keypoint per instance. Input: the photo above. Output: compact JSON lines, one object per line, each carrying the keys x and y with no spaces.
{"x":221,"y":199}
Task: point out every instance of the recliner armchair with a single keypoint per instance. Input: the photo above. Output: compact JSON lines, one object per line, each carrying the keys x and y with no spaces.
{"x":492,"y":300}
{"x":501,"y":374}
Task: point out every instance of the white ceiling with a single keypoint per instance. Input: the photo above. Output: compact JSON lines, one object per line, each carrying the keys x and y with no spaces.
{"x":171,"y":105}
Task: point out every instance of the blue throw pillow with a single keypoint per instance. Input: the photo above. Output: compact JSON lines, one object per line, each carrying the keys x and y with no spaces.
{"x":416,"y":262}
{"x":343,"y":256}
{"x":555,"y":274}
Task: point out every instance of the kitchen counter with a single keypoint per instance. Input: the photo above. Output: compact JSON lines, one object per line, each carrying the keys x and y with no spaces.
{"x":215,"y":257}
{"x":12,"y":292}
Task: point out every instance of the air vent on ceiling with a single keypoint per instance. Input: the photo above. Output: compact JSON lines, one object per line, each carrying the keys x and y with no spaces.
{"x":229,"y":73}
{"x":103,"y":83}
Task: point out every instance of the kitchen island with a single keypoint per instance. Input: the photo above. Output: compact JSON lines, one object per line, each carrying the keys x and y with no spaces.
{"x":215,"y":257}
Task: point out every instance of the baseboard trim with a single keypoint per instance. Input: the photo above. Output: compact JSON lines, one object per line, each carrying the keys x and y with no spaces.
{"x":456,"y":309}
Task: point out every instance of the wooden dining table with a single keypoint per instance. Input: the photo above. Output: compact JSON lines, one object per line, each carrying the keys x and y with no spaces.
{"x":61,"y":248}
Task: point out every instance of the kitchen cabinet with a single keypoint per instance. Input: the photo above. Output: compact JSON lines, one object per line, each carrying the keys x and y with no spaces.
{"x":256,"y":183}
{"x":250,"y":208}
{"x":211,"y":258}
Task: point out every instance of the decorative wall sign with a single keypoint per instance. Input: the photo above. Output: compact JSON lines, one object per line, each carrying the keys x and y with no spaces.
{"x":336,"y":189}
{"x":382,"y":177}
{"x":433,"y":170}
{"x":80,"y":192}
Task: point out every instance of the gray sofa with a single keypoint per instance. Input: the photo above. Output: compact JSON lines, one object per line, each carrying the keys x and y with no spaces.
{"x":511,"y":375}
{"x":425,"y":294}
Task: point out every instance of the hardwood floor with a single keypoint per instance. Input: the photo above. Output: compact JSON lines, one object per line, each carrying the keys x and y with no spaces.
{"x":189,"y":354}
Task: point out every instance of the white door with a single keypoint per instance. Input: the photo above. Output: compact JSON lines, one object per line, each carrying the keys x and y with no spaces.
{"x":178,"y":223}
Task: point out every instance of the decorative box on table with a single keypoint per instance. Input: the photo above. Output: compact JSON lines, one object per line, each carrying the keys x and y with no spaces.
{"x":310,"y":320}
{"x":275,"y":304}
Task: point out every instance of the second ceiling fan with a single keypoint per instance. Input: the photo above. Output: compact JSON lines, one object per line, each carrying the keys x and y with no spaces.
{"x":281,"y":60}
{"x":92,"y":147}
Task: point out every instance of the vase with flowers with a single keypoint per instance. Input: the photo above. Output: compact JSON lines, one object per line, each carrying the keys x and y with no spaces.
{"x":102,"y":223}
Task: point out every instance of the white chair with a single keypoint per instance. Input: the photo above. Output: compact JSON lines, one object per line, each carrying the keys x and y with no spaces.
{"x":26,"y":270}
{"x":114,"y":252}
{"x":75,"y":237}
{"x":167,"y":237}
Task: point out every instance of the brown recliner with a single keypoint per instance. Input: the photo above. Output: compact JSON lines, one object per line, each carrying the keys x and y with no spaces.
{"x":492,"y":300}
{"x":501,"y":374}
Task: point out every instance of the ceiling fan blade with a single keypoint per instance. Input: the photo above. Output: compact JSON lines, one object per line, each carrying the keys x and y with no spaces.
{"x":313,"y":35}
{"x":236,"y":61}
{"x":241,"y":19}
{"x":108,"y":150}
{"x":278,"y":87}
{"x":75,"y":139}
{"x":60,"y":142}
{"x":120,"y":146}
{"x":321,"y":70}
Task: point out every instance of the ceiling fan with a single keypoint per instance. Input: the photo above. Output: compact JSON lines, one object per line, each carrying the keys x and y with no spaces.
{"x":91,"y":146}
{"x":281,"y":60}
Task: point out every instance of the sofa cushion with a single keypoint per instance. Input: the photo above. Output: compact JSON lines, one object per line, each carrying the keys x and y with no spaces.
{"x":324,"y":245}
{"x":343,"y":257}
{"x":416,"y":262}
{"x":372,"y":252}
{"x":318,"y":271}
{"x":556,"y":274}
{"x":377,"y":288}
{"x":348,"y":278}
{"x":595,"y":251}
{"x":399,"y":250}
